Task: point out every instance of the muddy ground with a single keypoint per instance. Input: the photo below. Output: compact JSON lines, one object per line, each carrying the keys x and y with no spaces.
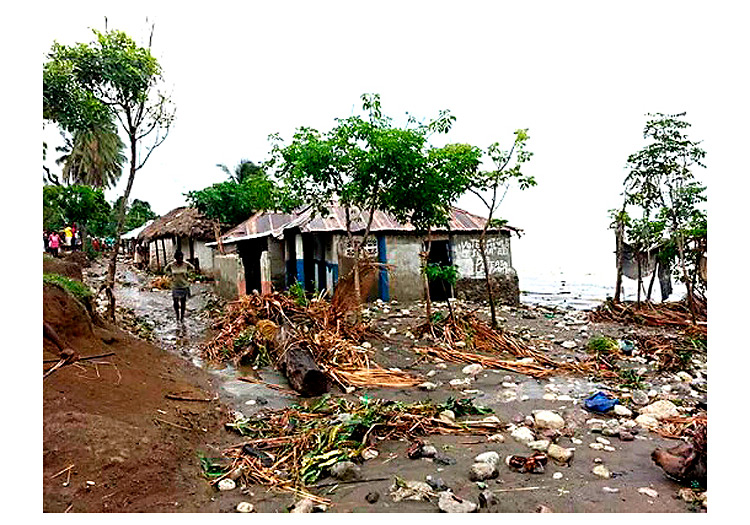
{"x":140,"y":449}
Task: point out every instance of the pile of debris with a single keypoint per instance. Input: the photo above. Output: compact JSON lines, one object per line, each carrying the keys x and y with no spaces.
{"x":669,"y":314}
{"x":294,"y":447}
{"x":311,"y":342}
{"x":466,"y":331}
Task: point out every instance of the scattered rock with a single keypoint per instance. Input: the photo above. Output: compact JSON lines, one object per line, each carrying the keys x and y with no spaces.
{"x":626,"y":436}
{"x":372,"y":497}
{"x":452,"y":504}
{"x":304,"y":506}
{"x":482,"y":471}
{"x":687,"y":495}
{"x":369,"y":453}
{"x":411,"y":490}
{"x":648,"y":422}
{"x":661,"y":409}
{"x":684,"y":376}
{"x":448,"y":416}
{"x":491,"y":457}
{"x":227,"y":484}
{"x":651,"y":493}
{"x":543,"y":509}
{"x":522,"y":435}
{"x":639,"y":397}
{"x":601,"y":471}
{"x":496,"y":438}
{"x":438,"y":485}
{"x":596,"y":446}
{"x":541,"y":445}
{"x":427,"y":385}
{"x":460,"y":382}
{"x":569,"y":344}
{"x":428,"y":451}
{"x":610,"y":490}
{"x":548,"y":419}
{"x":603,"y":441}
{"x":346,"y":471}
{"x":623,"y":411}
{"x":557,"y":475}
{"x":244,"y":506}
{"x":442,"y":459}
{"x":472,"y":369}
{"x":560,"y":454}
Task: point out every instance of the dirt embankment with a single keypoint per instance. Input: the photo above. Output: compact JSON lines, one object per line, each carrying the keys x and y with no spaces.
{"x":132,"y":448}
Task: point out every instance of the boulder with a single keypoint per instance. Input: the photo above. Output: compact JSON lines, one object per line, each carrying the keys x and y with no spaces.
{"x":482,"y":471}
{"x":522,"y":435}
{"x":548,"y":419}
{"x":491,"y":457}
{"x":560,"y":454}
{"x":661,"y":409}
{"x":623,"y":411}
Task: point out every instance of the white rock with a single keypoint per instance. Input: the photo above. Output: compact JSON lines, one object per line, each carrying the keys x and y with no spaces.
{"x":366,"y":345}
{"x":431,"y":373}
{"x":661,"y":409}
{"x":603,"y":441}
{"x":548,"y":419}
{"x":524,"y":398}
{"x":576,"y":441}
{"x":601,"y":471}
{"x":442,"y":366}
{"x":549,"y":397}
{"x":522,"y":435}
{"x":506,"y":384}
{"x":482,"y":471}
{"x":569,"y":344}
{"x":496,"y":438}
{"x":448,"y":502}
{"x":491,"y":457}
{"x":651,"y":493}
{"x":557,"y":475}
{"x":560,"y":454}
{"x":623,"y":411}
{"x":565,"y":397}
{"x":427,"y":386}
{"x":460,"y":382}
{"x":610,"y":490}
{"x":541,"y":445}
{"x":472,"y":369}
{"x":596,"y":446}
{"x":369,"y":453}
{"x":609,"y":448}
{"x":526,"y":361}
{"x":244,"y":506}
{"x":647,"y":422}
{"x":227,"y":484}
{"x":460,"y":344}
{"x":447,"y":414}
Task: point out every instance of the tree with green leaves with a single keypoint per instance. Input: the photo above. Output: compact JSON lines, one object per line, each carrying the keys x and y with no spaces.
{"x":491,"y":187}
{"x":75,"y":204}
{"x":660,"y":178}
{"x":93,"y":157}
{"x":365,"y":164}
{"x":109,"y":80}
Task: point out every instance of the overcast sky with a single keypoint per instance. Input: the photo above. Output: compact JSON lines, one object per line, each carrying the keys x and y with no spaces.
{"x":579,"y":75}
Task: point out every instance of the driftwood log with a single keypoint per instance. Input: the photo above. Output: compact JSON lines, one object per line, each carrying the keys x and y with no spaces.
{"x":298,"y":365}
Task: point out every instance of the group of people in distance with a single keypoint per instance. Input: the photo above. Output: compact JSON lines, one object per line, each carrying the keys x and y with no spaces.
{"x":69,"y":239}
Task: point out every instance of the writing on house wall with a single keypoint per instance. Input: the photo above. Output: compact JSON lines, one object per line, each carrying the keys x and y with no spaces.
{"x":468,"y":256}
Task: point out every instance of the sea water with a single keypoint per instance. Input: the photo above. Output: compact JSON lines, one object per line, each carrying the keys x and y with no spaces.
{"x":581,"y":289}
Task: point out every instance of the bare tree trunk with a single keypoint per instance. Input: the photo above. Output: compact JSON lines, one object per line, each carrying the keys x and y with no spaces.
{"x":638,"y":263}
{"x":487,"y":277}
{"x":620,"y":255}
{"x":217,"y":234}
{"x":688,"y":282}
{"x":651,"y":284}
{"x":109,"y":284}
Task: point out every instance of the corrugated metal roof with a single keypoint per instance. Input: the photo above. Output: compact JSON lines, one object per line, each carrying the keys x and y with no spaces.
{"x":271,"y":223}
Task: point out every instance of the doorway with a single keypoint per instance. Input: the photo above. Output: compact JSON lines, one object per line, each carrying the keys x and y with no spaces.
{"x":440,"y":289}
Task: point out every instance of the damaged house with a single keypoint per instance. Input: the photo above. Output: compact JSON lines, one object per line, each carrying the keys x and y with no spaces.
{"x":272,"y":251}
{"x":185,"y":229}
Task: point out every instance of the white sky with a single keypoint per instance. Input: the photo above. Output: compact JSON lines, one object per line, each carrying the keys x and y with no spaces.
{"x":581,"y":77}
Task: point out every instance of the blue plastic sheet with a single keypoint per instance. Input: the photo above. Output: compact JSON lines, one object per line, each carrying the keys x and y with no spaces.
{"x":600,"y":402}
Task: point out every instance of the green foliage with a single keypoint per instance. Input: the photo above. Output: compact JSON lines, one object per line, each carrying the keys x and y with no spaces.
{"x":464,"y":407}
{"x":210,"y":469}
{"x":602,"y":345}
{"x":82,"y":205}
{"x":79,"y":290}
{"x":232,"y":202}
{"x":631,"y":379}
{"x":297,"y":292}
{"x":437,"y":272}
{"x":138,"y":214}
{"x":93,"y":157}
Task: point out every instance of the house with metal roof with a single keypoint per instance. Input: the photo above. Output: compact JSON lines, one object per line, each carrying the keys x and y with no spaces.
{"x":273,"y":250}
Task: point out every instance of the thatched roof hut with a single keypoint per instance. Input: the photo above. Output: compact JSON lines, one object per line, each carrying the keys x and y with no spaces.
{"x":180,"y":222}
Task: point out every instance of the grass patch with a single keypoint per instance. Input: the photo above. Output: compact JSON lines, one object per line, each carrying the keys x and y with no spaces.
{"x":77,"y":289}
{"x":602,"y":345}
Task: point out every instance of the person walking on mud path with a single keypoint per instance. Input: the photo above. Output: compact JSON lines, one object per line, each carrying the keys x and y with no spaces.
{"x":178,"y":269}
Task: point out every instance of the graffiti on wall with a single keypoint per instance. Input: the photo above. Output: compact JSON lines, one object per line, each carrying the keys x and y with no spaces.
{"x":469,"y":257}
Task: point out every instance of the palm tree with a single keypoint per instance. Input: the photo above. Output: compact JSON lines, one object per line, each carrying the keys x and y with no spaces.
{"x":243,"y":171}
{"x":94,"y":157}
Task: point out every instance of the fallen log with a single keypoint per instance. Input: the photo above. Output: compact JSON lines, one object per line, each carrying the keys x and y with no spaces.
{"x":302,"y":372}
